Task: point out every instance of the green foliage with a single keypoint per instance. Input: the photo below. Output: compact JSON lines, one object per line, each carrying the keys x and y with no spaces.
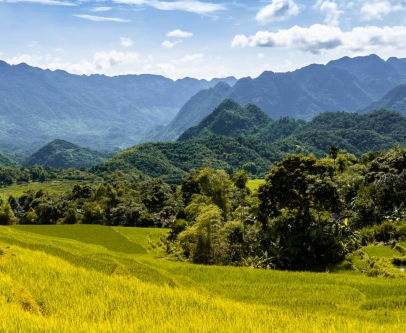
{"x":62,"y":154}
{"x":6,"y":214}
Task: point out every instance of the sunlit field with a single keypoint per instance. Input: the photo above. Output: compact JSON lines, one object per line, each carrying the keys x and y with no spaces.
{"x":102,"y":279}
{"x":253,"y":184}
{"x":55,"y":186}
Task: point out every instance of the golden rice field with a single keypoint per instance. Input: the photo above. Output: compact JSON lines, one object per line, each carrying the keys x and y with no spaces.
{"x":101,"y":279}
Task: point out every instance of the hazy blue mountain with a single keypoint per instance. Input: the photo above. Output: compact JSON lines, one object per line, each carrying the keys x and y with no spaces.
{"x":394,"y":100}
{"x":64,"y":154}
{"x":347,"y":84}
{"x":191,"y":113}
{"x":99,"y":112}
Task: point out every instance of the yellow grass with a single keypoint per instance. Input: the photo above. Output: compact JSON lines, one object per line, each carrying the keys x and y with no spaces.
{"x":56,"y":284}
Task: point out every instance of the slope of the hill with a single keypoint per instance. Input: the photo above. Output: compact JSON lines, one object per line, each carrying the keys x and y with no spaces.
{"x":229,"y":119}
{"x":99,"y":112}
{"x":5,"y":161}
{"x":253,"y":142}
{"x":190,"y":114}
{"x":394,"y":100}
{"x":347,"y":84}
{"x":172,"y":161}
{"x":63,"y":154}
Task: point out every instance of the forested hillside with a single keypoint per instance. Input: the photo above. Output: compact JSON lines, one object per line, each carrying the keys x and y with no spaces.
{"x":394,"y":100}
{"x":5,"y":162}
{"x":235,"y":137}
{"x":65,"y":155}
{"x":98,"y":112}
{"x":347,"y":84}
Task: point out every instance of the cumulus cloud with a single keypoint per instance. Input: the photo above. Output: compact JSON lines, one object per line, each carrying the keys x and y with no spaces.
{"x":260,"y":55}
{"x":101,"y":18}
{"x":192,"y":6}
{"x":330,"y":9}
{"x":179,"y":34}
{"x":378,"y":9}
{"x":278,"y":10}
{"x":101,"y":9}
{"x":32,"y":43}
{"x":169,"y":45}
{"x":319,"y":38}
{"x":126,"y":42}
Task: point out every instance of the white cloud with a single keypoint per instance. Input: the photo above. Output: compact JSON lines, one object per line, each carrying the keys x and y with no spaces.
{"x":192,"y":6}
{"x":32,"y":43}
{"x":105,"y":60}
{"x":278,"y":10}
{"x":378,"y":9}
{"x":126,"y":42}
{"x":101,"y":18}
{"x":168,"y":44}
{"x":101,"y":9}
{"x":44,"y":2}
{"x":192,"y":57}
{"x":179,"y":33}
{"x":330,"y":9}
{"x":260,"y":55}
{"x":101,"y":62}
{"x":322,"y":38}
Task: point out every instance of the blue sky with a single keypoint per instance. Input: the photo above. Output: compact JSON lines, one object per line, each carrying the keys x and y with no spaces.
{"x":202,"y":39}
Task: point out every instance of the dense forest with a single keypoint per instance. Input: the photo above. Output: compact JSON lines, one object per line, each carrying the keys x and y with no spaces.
{"x":309,"y":213}
{"x":233,"y":137}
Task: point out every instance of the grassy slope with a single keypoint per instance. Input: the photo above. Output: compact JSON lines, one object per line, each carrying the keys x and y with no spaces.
{"x":50,"y":289}
{"x":55,"y":186}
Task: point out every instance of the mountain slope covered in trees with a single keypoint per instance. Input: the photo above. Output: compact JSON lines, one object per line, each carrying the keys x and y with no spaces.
{"x":394,"y":100}
{"x":229,"y":119}
{"x":235,"y":137}
{"x":347,"y":84}
{"x":63,"y":154}
{"x":98,"y":112}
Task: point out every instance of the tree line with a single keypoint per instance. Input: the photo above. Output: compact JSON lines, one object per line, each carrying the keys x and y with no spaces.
{"x":309,"y":213}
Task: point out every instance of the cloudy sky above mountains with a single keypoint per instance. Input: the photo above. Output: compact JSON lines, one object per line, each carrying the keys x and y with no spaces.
{"x":202,"y":39}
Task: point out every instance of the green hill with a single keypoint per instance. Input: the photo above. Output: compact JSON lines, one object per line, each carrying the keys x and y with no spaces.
{"x":172,"y":161}
{"x":6,"y":162}
{"x":229,"y":119}
{"x":63,"y":154}
{"x":234,"y":137}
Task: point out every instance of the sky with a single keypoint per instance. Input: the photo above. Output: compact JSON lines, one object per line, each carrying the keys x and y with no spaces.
{"x":196,"y":38}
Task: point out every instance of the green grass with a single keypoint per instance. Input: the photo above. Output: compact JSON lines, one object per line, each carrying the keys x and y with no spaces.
{"x":381,"y":251}
{"x":121,"y":258}
{"x":90,"y":234}
{"x":254,"y":184}
{"x":55,"y":186}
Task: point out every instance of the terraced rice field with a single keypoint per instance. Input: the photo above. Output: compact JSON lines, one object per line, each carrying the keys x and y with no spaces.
{"x":102,"y":279}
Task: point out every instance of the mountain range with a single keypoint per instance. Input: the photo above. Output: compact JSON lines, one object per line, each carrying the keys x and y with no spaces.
{"x":109,"y":114}
{"x":96,"y":111}
{"x":347,"y":84}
